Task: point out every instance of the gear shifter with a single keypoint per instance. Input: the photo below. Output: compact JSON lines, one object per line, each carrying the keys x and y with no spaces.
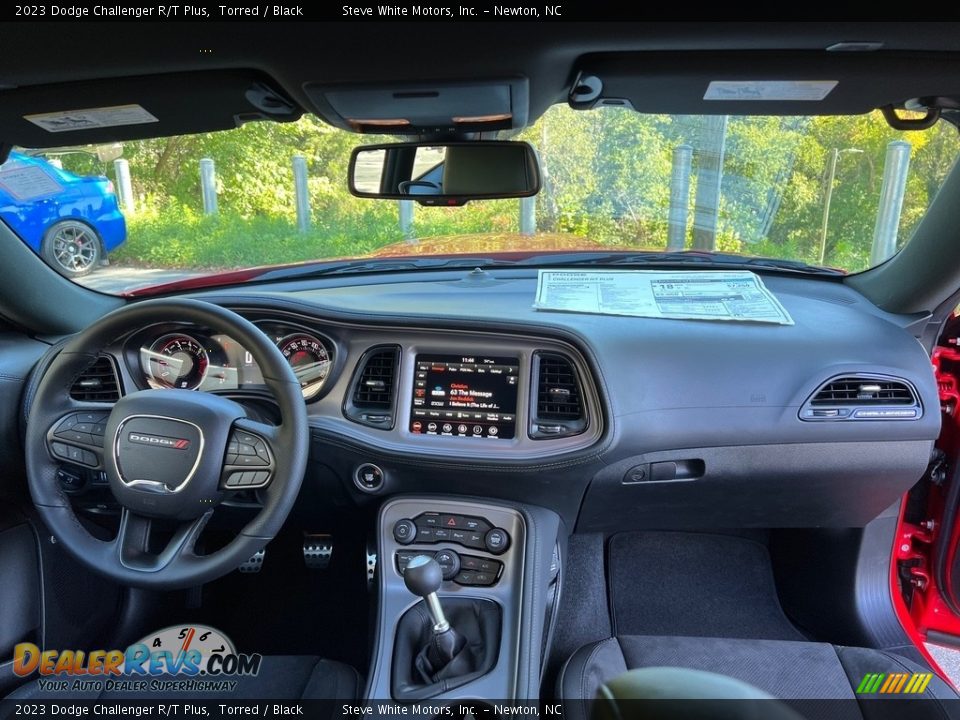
{"x":423,"y":577}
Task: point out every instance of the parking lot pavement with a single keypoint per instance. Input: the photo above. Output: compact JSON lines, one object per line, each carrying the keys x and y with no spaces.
{"x":117,"y":279}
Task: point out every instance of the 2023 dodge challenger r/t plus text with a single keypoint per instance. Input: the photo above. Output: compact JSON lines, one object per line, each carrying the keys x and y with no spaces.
{"x":614,"y":373}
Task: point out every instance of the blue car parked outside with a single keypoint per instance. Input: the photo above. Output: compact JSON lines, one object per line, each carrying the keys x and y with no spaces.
{"x":71,"y":221}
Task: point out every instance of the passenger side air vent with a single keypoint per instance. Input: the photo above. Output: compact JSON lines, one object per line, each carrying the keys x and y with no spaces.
{"x":863,"y":397}
{"x":559,"y":409}
{"x":98,"y":383}
{"x":372,"y":399}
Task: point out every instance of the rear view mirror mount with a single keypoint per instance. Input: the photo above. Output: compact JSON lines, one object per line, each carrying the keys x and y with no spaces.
{"x":444,"y":174}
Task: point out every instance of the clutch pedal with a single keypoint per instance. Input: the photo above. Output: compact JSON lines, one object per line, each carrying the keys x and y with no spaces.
{"x":255,"y":563}
{"x":317,"y":551}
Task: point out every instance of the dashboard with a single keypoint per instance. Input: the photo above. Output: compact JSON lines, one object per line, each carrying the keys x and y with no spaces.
{"x":489,"y":395}
{"x":451,"y":382}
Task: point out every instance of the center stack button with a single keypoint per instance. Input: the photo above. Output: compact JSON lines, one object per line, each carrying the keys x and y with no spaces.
{"x":405,"y":532}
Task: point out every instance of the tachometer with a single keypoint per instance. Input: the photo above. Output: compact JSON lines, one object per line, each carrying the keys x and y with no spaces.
{"x":176,"y":361}
{"x":309,"y":358}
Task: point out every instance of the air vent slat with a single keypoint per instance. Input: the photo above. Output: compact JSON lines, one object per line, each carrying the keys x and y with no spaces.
{"x":560,"y":409}
{"x":864,"y":391}
{"x":98,"y":383}
{"x":375,"y":387}
{"x":863,"y":397}
{"x":372,"y":398}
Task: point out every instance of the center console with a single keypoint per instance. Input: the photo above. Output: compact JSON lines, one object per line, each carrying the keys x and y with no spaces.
{"x":469,"y":621}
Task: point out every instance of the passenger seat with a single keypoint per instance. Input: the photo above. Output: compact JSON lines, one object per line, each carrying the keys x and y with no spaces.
{"x":783,"y":669}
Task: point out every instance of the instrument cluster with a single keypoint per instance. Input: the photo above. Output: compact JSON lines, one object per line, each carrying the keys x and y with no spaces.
{"x":190,"y":359}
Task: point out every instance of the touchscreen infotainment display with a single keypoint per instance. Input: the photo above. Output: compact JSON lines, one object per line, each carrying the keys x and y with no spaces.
{"x":465,"y":396}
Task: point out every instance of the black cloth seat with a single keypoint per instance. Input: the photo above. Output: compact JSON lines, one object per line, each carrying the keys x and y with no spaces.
{"x":281,"y":677}
{"x":785,"y":669}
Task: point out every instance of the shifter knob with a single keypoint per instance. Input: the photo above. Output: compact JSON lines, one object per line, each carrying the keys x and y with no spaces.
{"x":422,"y":575}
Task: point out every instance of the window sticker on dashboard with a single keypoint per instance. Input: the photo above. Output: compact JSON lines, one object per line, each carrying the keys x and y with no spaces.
{"x":700,"y":295}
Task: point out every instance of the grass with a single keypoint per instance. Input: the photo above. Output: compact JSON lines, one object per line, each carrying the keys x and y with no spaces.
{"x":179,"y":237}
{"x":224,"y":241}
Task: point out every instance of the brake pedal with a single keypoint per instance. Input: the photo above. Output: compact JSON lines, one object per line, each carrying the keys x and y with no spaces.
{"x":255,"y":563}
{"x":317,"y":551}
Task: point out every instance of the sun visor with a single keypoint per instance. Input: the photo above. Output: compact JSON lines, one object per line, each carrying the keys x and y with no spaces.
{"x":131,"y":108}
{"x":762,"y":83}
{"x":419,"y":107}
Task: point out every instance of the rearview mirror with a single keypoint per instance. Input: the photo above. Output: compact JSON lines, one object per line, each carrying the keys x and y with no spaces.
{"x":445,"y":173}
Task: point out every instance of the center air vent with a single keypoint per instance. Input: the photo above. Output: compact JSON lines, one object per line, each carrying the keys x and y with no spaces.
{"x":559,"y":410}
{"x":373,"y":393}
{"x":863,"y":397}
{"x":98,"y":383}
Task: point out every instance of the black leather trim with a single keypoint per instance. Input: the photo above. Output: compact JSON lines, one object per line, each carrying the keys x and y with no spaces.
{"x":478,"y":621}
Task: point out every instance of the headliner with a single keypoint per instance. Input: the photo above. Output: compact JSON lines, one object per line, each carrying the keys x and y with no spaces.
{"x":661,"y":67}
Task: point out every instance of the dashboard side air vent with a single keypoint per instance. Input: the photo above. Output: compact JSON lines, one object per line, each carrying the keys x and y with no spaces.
{"x":98,"y":383}
{"x":863,"y":397}
{"x":558,"y":406}
{"x":373,"y":392}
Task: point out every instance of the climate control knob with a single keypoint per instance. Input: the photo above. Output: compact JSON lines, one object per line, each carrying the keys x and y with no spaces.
{"x":449,"y":563}
{"x":405,"y":532}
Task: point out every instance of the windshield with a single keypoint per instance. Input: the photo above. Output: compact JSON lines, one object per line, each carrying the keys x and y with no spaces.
{"x":842,"y":192}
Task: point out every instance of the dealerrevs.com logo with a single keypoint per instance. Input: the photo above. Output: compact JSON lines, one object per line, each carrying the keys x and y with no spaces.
{"x":159,"y":441}
{"x":192,"y":658}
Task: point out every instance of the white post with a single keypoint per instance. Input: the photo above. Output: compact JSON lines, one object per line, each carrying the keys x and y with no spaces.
{"x":827,"y":199}
{"x":706,"y":209}
{"x":528,"y":215}
{"x":406,"y":220}
{"x":208,"y":186}
{"x":124,"y":187}
{"x":301,"y":192}
{"x":892,"y":189}
{"x":679,"y":198}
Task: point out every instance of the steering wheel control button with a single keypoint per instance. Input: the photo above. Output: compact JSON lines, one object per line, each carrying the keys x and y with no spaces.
{"x":449,"y":563}
{"x":249,"y":452}
{"x":404,"y":532}
{"x":60,"y":450}
{"x":496,"y":541}
{"x":368,"y":477}
{"x":69,"y":481}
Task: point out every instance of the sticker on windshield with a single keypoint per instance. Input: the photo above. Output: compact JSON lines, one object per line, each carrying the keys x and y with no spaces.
{"x":92,"y":118}
{"x":25,"y":182}
{"x":746,"y":90}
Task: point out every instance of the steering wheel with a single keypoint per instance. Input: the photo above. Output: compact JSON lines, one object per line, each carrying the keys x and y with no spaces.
{"x":169,"y":455}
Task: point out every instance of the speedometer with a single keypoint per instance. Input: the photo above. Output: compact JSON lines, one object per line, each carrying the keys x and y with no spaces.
{"x":176,"y":361}
{"x":309,"y":358}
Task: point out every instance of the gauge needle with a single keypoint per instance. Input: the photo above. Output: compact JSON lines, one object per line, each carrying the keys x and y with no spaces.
{"x":187,"y":640}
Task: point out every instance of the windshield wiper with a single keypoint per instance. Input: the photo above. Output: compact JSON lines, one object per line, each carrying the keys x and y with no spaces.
{"x":349,"y":267}
{"x":668,"y":259}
